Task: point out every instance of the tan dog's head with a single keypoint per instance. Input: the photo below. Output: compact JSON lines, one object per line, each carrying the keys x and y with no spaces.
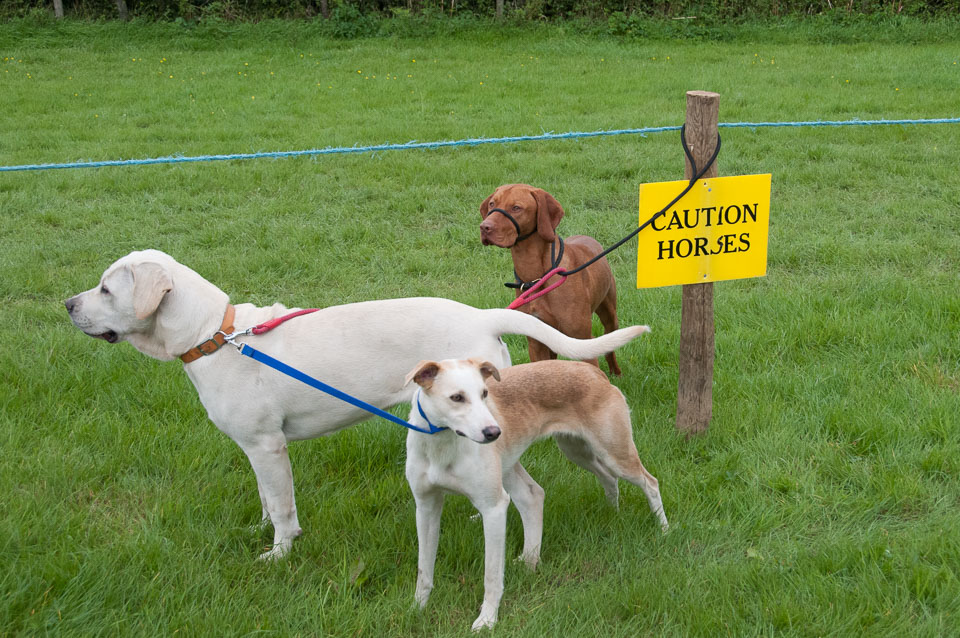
{"x":161,"y":307}
{"x":453,"y":394}
{"x":534,"y":209}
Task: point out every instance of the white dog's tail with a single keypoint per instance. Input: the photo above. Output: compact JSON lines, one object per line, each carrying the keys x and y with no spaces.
{"x":520,"y":323}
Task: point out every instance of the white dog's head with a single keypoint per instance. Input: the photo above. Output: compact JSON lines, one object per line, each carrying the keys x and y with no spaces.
{"x":454,"y":395}
{"x":161,"y":307}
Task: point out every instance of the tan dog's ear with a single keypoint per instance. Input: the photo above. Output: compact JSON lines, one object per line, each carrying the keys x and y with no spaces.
{"x":549,"y":214}
{"x":151,"y":282}
{"x":423,"y":374}
{"x":487,"y":369}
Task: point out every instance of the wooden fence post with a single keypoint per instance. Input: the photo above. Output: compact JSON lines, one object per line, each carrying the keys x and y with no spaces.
{"x":58,"y":8}
{"x":695,"y":386}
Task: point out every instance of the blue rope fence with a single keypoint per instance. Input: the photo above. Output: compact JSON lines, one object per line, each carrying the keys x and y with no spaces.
{"x":466,"y":142}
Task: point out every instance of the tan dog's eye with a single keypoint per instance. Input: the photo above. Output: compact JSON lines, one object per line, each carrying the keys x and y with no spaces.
{"x":517,"y":208}
{"x":484,"y":395}
{"x":457,"y":398}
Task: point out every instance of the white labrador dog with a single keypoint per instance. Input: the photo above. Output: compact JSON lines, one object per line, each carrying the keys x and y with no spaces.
{"x":164,"y":310}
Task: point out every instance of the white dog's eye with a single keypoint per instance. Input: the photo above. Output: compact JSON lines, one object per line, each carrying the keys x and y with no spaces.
{"x":457,"y":398}
{"x":104,"y":291}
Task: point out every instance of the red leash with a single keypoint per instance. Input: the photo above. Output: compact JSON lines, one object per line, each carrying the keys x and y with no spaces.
{"x":532,"y":292}
{"x":267,"y":326}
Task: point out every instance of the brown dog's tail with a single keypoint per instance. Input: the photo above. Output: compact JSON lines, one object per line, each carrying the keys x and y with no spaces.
{"x":519,"y":323}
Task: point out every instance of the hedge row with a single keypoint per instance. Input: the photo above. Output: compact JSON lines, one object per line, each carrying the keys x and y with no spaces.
{"x":193,"y":10}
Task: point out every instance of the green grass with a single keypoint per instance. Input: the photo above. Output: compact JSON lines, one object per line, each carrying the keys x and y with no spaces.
{"x":822,"y":502}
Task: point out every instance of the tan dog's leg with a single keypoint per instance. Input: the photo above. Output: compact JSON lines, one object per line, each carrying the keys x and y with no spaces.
{"x":527,"y":495}
{"x":615,"y":449}
{"x":581,"y":453}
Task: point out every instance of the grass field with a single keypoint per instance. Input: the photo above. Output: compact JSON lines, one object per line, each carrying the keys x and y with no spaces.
{"x":822,"y":502}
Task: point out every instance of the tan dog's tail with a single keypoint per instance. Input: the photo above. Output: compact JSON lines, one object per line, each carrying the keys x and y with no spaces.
{"x":519,"y":323}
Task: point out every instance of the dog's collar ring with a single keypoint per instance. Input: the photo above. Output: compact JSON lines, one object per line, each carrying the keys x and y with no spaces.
{"x":214,"y":343}
{"x":556,"y":255}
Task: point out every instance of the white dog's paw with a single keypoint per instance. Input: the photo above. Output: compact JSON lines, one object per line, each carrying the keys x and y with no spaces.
{"x":483,"y":622}
{"x":530,"y":560}
{"x":276,"y":553}
{"x":420,"y":599}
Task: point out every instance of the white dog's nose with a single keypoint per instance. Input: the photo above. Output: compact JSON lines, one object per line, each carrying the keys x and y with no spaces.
{"x":70,"y":303}
{"x":491,"y":433}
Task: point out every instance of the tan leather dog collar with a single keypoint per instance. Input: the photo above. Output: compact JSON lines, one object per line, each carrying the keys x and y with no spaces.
{"x":215,"y":342}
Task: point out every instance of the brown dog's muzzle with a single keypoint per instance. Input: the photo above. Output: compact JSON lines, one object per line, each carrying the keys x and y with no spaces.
{"x":488,"y":226}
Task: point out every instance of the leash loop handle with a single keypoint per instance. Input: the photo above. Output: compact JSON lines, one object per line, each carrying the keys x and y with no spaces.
{"x":267,"y":326}
{"x":533,"y":291}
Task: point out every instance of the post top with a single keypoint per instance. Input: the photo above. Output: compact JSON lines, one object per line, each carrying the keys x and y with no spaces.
{"x":705,"y":94}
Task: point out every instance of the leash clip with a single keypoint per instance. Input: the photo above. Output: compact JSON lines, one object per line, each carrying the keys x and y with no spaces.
{"x":229,"y":338}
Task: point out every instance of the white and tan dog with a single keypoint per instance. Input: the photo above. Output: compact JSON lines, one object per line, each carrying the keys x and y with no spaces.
{"x":572,"y":401}
{"x":165,"y":309}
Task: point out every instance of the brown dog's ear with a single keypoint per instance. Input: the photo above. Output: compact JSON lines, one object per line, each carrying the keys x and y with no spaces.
{"x":486,"y":368}
{"x":484,"y":207}
{"x":423,"y":374}
{"x":549,"y":214}
{"x":151,"y":282}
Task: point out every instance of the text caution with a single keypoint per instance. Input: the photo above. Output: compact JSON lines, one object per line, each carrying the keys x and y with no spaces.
{"x":717,"y":231}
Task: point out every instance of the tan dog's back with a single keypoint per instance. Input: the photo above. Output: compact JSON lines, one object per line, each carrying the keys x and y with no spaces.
{"x":588,"y":416}
{"x":548,"y":391}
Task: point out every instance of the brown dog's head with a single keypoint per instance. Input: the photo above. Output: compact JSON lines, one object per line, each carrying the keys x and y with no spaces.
{"x":534,"y":209}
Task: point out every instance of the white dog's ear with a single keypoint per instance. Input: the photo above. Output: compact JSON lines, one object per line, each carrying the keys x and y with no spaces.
{"x":487,"y":369}
{"x":151,"y":282}
{"x":423,"y":374}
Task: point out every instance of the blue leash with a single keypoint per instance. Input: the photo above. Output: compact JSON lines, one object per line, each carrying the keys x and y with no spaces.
{"x":279,"y":366}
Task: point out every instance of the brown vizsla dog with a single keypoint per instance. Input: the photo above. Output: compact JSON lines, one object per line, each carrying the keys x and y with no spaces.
{"x":524,"y":219}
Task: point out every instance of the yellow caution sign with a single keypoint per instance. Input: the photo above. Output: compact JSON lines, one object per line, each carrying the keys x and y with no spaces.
{"x":717,"y":231}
